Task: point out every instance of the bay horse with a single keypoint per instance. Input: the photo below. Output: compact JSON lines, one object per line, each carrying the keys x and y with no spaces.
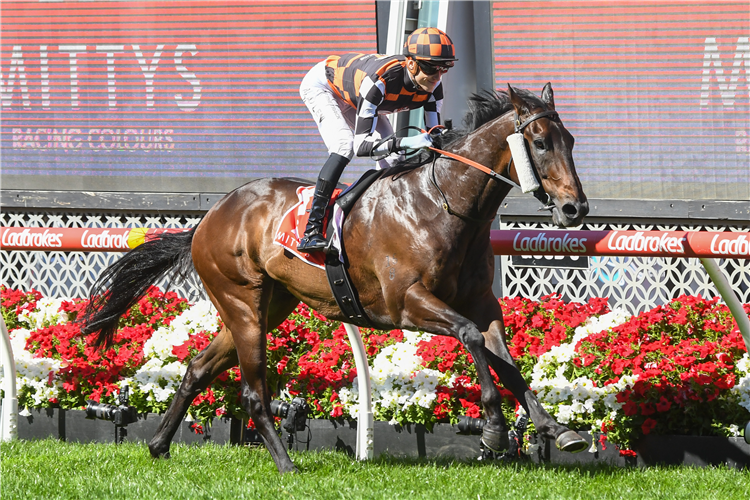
{"x":418,"y":246}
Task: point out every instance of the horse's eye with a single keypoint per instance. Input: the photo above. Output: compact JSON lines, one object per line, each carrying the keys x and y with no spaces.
{"x":539,"y":144}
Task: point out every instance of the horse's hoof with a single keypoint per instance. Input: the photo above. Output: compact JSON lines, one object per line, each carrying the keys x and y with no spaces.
{"x":571,"y":442}
{"x":156,"y":453}
{"x":288,"y":469}
{"x":495,"y":441}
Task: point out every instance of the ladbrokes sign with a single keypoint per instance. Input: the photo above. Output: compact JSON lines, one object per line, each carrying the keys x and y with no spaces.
{"x":70,"y":239}
{"x":634,"y":243}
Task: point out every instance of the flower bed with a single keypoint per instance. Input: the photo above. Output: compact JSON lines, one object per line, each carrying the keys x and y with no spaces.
{"x":681,"y":368}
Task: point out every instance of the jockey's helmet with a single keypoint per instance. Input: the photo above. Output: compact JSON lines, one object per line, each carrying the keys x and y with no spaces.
{"x":431,"y":45}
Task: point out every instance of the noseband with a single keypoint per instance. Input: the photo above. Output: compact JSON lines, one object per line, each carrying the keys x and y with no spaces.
{"x":548,"y":204}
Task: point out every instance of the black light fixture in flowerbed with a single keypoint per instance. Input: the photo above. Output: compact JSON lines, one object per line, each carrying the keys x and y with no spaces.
{"x":414,"y":441}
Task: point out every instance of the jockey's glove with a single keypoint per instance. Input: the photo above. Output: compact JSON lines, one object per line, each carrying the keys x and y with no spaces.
{"x":415,"y":142}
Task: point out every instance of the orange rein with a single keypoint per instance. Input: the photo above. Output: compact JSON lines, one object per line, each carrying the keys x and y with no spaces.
{"x":472,"y":163}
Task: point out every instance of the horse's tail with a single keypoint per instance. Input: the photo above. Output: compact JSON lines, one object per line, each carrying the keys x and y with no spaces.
{"x":126,"y":281}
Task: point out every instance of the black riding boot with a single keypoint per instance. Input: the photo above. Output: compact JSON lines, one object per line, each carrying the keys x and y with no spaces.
{"x":314,"y":239}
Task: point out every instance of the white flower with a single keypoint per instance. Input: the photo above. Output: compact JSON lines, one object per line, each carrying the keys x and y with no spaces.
{"x":610,"y":401}
{"x":399,"y":381}
{"x":200,"y":317}
{"x":46,"y":313}
{"x":582,"y":388}
{"x":744,"y":363}
{"x":564,"y":414}
{"x":577,"y":407}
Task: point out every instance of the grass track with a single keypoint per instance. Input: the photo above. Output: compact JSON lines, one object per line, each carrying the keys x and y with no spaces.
{"x":50,"y":469}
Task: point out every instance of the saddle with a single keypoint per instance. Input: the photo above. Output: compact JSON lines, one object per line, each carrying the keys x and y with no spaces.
{"x":333,"y":260}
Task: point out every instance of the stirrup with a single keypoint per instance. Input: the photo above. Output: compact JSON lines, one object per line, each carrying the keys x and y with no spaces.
{"x":312,"y":243}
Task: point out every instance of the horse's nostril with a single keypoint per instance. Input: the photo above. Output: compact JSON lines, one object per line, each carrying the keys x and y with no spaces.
{"x":584,"y":209}
{"x":570,"y":210}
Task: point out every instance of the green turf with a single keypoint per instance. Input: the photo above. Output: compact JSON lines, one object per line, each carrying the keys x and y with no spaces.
{"x":51,"y":469}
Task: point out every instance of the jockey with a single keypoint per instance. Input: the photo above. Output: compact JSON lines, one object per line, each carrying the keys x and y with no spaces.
{"x":347,"y":94}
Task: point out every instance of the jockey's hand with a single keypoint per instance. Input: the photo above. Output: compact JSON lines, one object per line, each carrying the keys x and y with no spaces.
{"x":415,"y":142}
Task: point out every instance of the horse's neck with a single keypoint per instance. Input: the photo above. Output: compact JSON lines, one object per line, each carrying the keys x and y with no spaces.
{"x":469,"y":190}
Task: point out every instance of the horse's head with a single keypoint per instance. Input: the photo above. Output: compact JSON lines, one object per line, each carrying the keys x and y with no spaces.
{"x":550,"y":148}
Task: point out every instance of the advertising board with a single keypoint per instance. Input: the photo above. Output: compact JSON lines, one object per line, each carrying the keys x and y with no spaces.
{"x":166,"y":96}
{"x":655,"y":93}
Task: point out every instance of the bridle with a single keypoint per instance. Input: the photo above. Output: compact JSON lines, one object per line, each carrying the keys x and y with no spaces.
{"x":547,"y":204}
{"x":519,"y":127}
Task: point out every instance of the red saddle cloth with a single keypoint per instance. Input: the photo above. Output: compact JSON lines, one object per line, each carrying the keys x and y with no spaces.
{"x":293,"y":223}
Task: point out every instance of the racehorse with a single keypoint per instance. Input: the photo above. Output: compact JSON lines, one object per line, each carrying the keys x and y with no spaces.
{"x":418,"y":246}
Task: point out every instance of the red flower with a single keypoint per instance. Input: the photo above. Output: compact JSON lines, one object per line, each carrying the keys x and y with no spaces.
{"x":647,"y":409}
{"x":282,"y":364}
{"x":630,"y":408}
{"x":472,"y":409}
{"x":663,"y":404}
{"x":620,"y":364}
{"x":648,"y":425}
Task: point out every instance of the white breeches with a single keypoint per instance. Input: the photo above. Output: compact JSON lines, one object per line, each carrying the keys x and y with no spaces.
{"x":335,"y":118}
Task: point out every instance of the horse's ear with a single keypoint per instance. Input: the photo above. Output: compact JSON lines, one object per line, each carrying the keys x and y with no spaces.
{"x":548,"y":96}
{"x":518,"y":103}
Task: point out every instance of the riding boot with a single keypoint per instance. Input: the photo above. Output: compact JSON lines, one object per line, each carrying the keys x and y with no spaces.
{"x":314,"y":240}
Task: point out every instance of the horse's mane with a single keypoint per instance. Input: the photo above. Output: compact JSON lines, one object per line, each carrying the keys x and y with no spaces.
{"x":484,"y":107}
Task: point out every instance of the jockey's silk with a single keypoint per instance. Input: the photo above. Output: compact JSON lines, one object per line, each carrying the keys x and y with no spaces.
{"x":365,"y":86}
{"x":374,"y":85}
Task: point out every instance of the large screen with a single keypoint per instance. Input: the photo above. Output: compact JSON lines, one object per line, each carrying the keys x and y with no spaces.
{"x":168,"y":96}
{"x":655,"y":93}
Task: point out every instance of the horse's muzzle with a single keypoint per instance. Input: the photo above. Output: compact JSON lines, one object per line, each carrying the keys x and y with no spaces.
{"x":570,"y":213}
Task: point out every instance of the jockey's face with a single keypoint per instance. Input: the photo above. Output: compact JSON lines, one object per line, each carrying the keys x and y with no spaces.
{"x":423,"y":80}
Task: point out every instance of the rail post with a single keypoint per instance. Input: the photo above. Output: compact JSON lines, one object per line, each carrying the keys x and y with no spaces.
{"x":365,"y":421}
{"x":730,"y":298}
{"x":9,"y":417}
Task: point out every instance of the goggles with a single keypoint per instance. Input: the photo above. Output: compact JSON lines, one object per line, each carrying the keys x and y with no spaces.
{"x":430,"y":69}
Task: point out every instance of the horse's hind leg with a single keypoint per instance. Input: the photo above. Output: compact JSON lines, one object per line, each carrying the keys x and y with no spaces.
{"x":256,"y":400}
{"x":245,"y":311}
{"x":219,"y":356}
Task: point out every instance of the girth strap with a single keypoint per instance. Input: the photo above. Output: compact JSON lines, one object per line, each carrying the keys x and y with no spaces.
{"x":344,"y":292}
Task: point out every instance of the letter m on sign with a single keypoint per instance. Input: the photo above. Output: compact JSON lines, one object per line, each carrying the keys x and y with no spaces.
{"x":712,"y":57}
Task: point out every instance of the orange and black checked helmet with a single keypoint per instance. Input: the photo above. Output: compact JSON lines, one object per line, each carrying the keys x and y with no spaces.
{"x":430,"y":44}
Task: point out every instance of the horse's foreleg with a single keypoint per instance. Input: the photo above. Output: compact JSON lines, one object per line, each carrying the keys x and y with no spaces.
{"x":219,"y":356}
{"x":502,"y":362}
{"x":424,"y":311}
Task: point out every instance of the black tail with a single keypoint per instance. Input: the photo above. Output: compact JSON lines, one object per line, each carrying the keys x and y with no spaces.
{"x":126,"y":281}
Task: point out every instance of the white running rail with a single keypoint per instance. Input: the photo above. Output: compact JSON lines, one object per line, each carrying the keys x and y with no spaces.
{"x":365,"y":422}
{"x":9,"y":417}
